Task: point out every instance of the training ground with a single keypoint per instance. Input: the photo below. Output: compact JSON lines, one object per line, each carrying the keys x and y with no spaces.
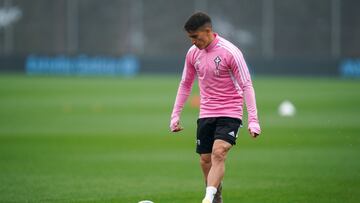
{"x":91,"y":139}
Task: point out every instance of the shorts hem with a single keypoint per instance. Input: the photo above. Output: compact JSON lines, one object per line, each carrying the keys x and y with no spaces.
{"x":203,"y":152}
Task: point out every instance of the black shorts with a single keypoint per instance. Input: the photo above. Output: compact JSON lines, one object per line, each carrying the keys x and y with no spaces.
{"x":210,"y":129}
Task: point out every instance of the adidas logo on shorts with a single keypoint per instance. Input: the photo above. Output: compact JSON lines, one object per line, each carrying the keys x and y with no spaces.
{"x":232,"y":133}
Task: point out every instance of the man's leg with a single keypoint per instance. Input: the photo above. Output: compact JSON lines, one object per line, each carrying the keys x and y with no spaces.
{"x":205,"y":163}
{"x":224,"y":138}
{"x":217,"y":170}
{"x":218,"y":157}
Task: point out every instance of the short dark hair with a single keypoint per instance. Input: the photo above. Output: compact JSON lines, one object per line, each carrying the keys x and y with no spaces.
{"x":196,"y":21}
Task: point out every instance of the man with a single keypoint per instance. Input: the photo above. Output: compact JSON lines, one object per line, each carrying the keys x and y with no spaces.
{"x":224,"y":81}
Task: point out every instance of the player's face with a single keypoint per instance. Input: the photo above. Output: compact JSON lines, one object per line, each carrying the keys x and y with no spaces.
{"x":200,"y":38}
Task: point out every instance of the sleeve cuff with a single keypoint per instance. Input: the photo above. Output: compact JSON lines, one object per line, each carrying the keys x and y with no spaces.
{"x":173,"y":122}
{"x":254,"y":127}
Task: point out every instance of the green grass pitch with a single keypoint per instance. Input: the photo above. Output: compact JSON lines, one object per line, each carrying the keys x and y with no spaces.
{"x":90,"y":139}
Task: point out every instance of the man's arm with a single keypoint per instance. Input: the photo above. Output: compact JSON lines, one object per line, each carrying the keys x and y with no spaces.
{"x":242,"y":77}
{"x":183,"y":93}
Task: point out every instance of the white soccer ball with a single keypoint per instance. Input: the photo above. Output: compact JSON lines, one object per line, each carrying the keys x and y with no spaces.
{"x":146,"y":201}
{"x":287,"y":109}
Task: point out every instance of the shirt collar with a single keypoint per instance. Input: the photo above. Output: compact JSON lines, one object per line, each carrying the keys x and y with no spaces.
{"x":213,"y":43}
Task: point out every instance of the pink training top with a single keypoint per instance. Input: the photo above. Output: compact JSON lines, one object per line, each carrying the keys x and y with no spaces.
{"x":224,"y":81}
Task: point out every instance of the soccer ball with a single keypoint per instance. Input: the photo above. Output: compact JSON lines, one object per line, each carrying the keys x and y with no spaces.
{"x":287,"y":109}
{"x":146,"y":201}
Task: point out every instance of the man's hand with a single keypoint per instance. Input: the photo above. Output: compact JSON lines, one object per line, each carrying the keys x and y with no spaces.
{"x":176,"y":127}
{"x":253,"y":134}
{"x":254,"y":129}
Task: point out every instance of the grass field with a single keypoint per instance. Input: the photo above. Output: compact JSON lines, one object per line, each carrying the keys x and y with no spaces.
{"x":79,"y":139}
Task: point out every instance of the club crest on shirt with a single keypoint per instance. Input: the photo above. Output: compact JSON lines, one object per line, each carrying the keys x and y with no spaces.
{"x":217,"y":61}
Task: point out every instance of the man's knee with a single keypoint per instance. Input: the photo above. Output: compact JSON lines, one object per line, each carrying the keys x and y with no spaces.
{"x":205,"y":159}
{"x":219,"y":152}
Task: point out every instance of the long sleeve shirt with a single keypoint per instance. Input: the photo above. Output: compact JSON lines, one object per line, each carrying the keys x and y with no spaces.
{"x":224,"y":82}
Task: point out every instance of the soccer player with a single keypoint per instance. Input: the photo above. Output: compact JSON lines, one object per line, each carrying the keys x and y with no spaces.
{"x":224,"y":83}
